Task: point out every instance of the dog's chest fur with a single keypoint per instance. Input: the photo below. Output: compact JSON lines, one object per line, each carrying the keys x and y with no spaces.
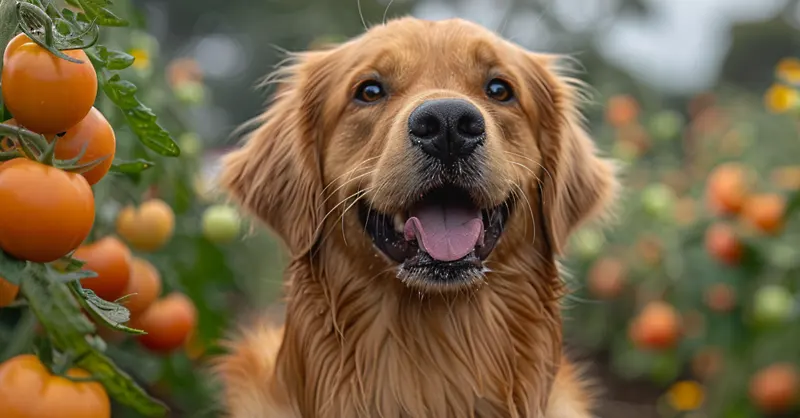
{"x":364,"y":353}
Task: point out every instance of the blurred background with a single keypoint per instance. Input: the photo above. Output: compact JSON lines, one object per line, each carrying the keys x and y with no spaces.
{"x":688,"y":307}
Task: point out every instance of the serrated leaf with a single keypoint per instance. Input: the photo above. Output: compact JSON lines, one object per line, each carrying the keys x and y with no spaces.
{"x":11,"y":269}
{"x":113,"y":60}
{"x":97,"y":10}
{"x":131,"y":167}
{"x":8,"y":28}
{"x":110,"y":313}
{"x":140,"y":118}
{"x":59,"y":313}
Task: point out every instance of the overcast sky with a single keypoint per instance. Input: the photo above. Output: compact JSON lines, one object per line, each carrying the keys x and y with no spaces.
{"x":680,"y":48}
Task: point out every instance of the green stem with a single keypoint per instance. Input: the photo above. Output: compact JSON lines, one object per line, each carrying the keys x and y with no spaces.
{"x":41,"y":15}
{"x":23,"y":335}
{"x":22,"y":134}
{"x":10,"y":155}
{"x":49,"y":152}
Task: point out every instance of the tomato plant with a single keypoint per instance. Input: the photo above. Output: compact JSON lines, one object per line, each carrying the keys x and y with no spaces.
{"x":111,"y":260}
{"x":45,"y":93}
{"x":46,"y":213}
{"x":29,"y":390}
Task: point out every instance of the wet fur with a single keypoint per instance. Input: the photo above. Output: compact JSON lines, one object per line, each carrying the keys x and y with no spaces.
{"x":358,"y":342}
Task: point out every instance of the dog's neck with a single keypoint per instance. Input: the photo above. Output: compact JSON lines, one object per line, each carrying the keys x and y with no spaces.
{"x":366,"y":345}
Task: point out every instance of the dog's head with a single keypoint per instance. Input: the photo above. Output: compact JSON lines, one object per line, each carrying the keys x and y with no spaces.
{"x":427,"y":144}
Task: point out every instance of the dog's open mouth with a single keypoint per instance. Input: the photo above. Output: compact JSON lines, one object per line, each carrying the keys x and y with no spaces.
{"x":444,"y":231}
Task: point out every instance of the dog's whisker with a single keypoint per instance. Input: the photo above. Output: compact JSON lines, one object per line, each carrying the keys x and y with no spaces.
{"x":360,"y":176}
{"x":546,"y":171}
{"x":349,"y":172}
{"x":530,"y":210}
{"x":333,"y":209}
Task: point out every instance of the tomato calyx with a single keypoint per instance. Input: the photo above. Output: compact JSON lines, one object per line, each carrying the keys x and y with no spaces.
{"x":35,"y":22}
{"x":35,"y":146}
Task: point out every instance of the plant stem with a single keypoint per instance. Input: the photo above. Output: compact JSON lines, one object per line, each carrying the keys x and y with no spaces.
{"x":23,"y":335}
{"x":23,"y":134}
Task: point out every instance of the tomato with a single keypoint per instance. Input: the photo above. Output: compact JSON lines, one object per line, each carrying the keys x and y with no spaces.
{"x":723,"y":244}
{"x":727,"y":188}
{"x":774,"y":389}
{"x":168,"y":323}
{"x":772,"y":304}
{"x":29,"y":390}
{"x":607,"y":278}
{"x":721,"y":297}
{"x":13,"y":44}
{"x":96,"y":133}
{"x":148,"y":227}
{"x":144,"y":286}
{"x":658,"y":200}
{"x":45,"y":212}
{"x":221,"y":223}
{"x":8,"y":292}
{"x":764,"y":213}
{"x":47,"y":94}
{"x":621,"y":110}
{"x":658,"y":326}
{"x":111,"y":260}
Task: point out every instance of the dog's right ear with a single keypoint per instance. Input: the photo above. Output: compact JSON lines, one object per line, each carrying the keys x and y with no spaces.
{"x":276,"y":175}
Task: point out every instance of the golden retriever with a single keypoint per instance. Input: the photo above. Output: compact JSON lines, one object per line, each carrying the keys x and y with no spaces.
{"x":424,"y":177}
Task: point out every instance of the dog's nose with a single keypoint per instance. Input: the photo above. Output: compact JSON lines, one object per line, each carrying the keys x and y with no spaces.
{"x":447,"y":129}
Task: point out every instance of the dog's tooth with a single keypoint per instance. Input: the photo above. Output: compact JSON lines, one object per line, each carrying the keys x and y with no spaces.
{"x":399,"y":222}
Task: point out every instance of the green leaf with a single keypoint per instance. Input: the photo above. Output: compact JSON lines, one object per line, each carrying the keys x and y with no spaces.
{"x":37,"y":25}
{"x":59,"y":313}
{"x":141,"y":118}
{"x":44,"y":350}
{"x":11,"y":269}
{"x":97,"y":10}
{"x":76,"y":275}
{"x":8,"y":27}
{"x":131,"y":167}
{"x":110,"y":313}
{"x":114,"y":60}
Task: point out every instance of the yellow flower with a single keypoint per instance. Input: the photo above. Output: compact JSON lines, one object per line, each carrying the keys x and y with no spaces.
{"x":141,"y":58}
{"x":788,"y":69}
{"x":686,"y":395}
{"x":781,"y":98}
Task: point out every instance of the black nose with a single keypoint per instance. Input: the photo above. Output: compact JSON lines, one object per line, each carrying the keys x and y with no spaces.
{"x":447,"y":129}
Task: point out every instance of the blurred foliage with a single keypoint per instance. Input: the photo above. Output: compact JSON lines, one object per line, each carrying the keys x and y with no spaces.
{"x":697,"y":284}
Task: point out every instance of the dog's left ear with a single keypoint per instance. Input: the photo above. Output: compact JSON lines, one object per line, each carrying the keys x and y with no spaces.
{"x":579,"y":185}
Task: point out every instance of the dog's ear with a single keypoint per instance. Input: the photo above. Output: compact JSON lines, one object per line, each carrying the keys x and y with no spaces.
{"x":276,"y":174}
{"x":579,"y":185}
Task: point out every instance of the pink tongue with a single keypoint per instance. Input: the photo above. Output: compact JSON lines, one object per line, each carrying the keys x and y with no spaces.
{"x":446,"y":233}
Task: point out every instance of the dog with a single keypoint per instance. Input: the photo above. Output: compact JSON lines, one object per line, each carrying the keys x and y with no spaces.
{"x":424,"y":178}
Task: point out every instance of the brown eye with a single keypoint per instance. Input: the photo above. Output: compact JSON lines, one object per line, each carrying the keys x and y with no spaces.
{"x":499,"y":90}
{"x":370,"y":91}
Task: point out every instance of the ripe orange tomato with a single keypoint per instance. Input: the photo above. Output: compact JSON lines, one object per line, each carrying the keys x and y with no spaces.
{"x":723,"y":244}
{"x":727,"y":188}
{"x":96,"y":133}
{"x":144,"y":286}
{"x":29,"y":390}
{"x":764,"y":212}
{"x":607,"y":277}
{"x":45,"y":212}
{"x":721,"y":297}
{"x":168,"y":323}
{"x":8,"y":292}
{"x":111,"y":260}
{"x":621,"y":110}
{"x":775,"y":389}
{"x":147,"y":228}
{"x":46,"y":94}
{"x":658,"y":326}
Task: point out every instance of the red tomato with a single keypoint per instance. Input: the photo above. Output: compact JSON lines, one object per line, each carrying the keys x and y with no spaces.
{"x":29,"y":390}
{"x":46,"y":94}
{"x":111,"y":260}
{"x":45,"y":212}
{"x":168,"y":323}
{"x":96,"y":133}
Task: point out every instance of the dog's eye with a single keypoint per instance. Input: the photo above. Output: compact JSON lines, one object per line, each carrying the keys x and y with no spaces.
{"x":370,"y":91}
{"x":499,"y":90}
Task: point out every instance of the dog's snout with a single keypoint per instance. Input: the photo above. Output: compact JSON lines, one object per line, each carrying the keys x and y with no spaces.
{"x":447,"y":129}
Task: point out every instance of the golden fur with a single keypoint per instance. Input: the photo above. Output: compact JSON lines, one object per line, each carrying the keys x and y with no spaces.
{"x":358,"y":342}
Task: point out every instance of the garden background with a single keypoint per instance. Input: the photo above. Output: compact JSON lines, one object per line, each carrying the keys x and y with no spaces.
{"x":688,"y":306}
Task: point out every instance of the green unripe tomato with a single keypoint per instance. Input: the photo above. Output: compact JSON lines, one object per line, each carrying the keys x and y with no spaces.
{"x":772,"y":304}
{"x":658,"y":200}
{"x":221,"y":223}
